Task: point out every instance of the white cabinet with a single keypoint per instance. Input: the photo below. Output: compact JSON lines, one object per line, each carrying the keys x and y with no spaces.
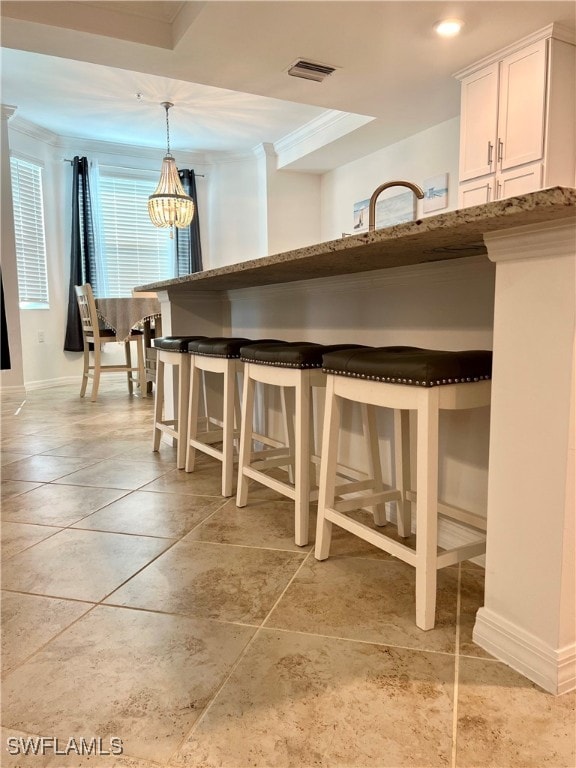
{"x":479,"y":123}
{"x":476,"y":192}
{"x":518,"y":125}
{"x":518,"y":181}
{"x":522,"y":107}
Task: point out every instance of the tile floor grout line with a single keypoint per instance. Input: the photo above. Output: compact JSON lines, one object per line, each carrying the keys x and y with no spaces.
{"x":34,"y":544}
{"x":456,"y":673}
{"x":357,"y":640}
{"x":51,"y":639}
{"x":286,"y":588}
{"x":193,"y":617}
{"x":247,"y":647}
{"x":49,"y":597}
{"x":138,"y":571}
{"x":247,"y":546}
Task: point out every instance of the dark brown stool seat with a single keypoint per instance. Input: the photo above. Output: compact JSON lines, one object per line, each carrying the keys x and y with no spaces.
{"x":175,"y":343}
{"x":413,"y":366}
{"x":290,"y":354}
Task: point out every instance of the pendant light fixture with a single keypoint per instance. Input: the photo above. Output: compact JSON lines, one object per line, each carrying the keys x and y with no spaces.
{"x":170,"y":206}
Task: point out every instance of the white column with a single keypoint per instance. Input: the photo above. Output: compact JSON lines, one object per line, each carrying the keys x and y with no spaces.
{"x":528,"y":620}
{"x":290,"y":204}
{"x":12,"y":380}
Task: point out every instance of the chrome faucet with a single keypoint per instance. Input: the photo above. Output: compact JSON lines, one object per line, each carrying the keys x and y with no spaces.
{"x":372,"y":206}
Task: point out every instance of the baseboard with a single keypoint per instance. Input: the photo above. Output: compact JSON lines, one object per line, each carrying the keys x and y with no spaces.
{"x":550,"y":668}
{"x":49,"y":383}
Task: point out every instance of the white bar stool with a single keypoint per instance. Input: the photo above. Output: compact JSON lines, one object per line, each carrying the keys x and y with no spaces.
{"x":172,"y":350}
{"x":282,"y":364}
{"x":211,"y":434}
{"x":403,"y":378}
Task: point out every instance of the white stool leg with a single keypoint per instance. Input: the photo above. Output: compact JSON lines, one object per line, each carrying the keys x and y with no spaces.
{"x":288,"y":422}
{"x":86,"y":362}
{"x":426,"y":508}
{"x":228,"y":427}
{"x":402,"y":470}
{"x":182,"y":410}
{"x":158,"y":401}
{"x":373,"y":457}
{"x":302,"y":459}
{"x":141,"y":356}
{"x":328,"y":467}
{"x":128,"y":359}
{"x":96,"y":371}
{"x":238,"y":378}
{"x":245,"y":436}
{"x":196,"y":377}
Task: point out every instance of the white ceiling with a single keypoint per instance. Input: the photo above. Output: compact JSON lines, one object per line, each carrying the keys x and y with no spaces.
{"x":75,"y":68}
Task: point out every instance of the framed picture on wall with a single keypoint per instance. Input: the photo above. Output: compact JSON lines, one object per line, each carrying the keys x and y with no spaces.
{"x":389,"y":211}
{"x":361,"y":216}
{"x":435,"y":193}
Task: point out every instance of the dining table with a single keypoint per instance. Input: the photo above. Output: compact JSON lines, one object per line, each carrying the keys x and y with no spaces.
{"x":126,"y":314}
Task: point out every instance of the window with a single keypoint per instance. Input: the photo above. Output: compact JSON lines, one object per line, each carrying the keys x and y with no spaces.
{"x":136,"y":252}
{"x":29,"y":232}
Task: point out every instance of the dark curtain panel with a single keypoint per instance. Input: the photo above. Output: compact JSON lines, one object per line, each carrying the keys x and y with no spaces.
{"x":82,"y":249}
{"x":188,"y":248}
{"x":5,"y":347}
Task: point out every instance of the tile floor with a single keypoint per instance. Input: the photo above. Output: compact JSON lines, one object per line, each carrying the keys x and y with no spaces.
{"x":139,"y":604}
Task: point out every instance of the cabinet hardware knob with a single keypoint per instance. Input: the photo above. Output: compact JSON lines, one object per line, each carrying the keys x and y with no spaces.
{"x":500,"y":150}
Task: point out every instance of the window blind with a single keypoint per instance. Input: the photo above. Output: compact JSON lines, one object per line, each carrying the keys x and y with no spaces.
{"x":136,"y":251}
{"x":29,"y":233}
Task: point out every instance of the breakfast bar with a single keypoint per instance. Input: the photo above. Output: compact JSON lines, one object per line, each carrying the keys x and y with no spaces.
{"x":500,"y":275}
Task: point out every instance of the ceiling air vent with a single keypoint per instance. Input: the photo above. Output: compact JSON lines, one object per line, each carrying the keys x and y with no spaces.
{"x":310,"y":70}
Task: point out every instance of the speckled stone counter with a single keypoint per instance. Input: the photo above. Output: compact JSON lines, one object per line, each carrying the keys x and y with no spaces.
{"x":449,"y":235}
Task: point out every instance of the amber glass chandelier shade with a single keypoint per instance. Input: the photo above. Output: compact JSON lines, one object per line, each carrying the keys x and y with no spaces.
{"x":170,"y":206}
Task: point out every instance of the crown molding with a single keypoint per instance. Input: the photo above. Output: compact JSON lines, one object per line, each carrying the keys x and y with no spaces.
{"x":71,"y":143}
{"x":25,"y":127}
{"x":556,"y":31}
{"x":327,"y":127}
{"x":8,"y":111}
{"x":265,"y":149}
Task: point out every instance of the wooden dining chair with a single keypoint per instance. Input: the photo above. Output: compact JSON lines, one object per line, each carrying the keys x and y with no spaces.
{"x":93,"y":334}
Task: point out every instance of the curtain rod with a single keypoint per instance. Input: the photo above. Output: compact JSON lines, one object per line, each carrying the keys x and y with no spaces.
{"x":125,"y":168}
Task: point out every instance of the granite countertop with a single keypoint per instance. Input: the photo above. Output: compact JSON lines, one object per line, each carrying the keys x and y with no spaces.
{"x":450,"y":235}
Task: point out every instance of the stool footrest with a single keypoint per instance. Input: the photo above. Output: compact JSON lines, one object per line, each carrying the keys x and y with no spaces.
{"x":366,"y":500}
{"x":462,"y":552}
{"x":380,"y":540}
{"x":208,"y":437}
{"x":272,"y":462}
{"x":170,"y":427}
{"x":216,"y":453}
{"x":271,"y":482}
{"x":457,"y":514}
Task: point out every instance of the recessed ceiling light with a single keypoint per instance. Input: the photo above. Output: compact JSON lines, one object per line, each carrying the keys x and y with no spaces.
{"x":448,"y":27}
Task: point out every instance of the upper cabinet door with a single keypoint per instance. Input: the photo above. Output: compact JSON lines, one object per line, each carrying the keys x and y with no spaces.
{"x":479,"y":121}
{"x":521,"y":120}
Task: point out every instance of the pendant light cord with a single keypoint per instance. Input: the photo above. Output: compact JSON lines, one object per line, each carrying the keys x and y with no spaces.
{"x":167,"y":105}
